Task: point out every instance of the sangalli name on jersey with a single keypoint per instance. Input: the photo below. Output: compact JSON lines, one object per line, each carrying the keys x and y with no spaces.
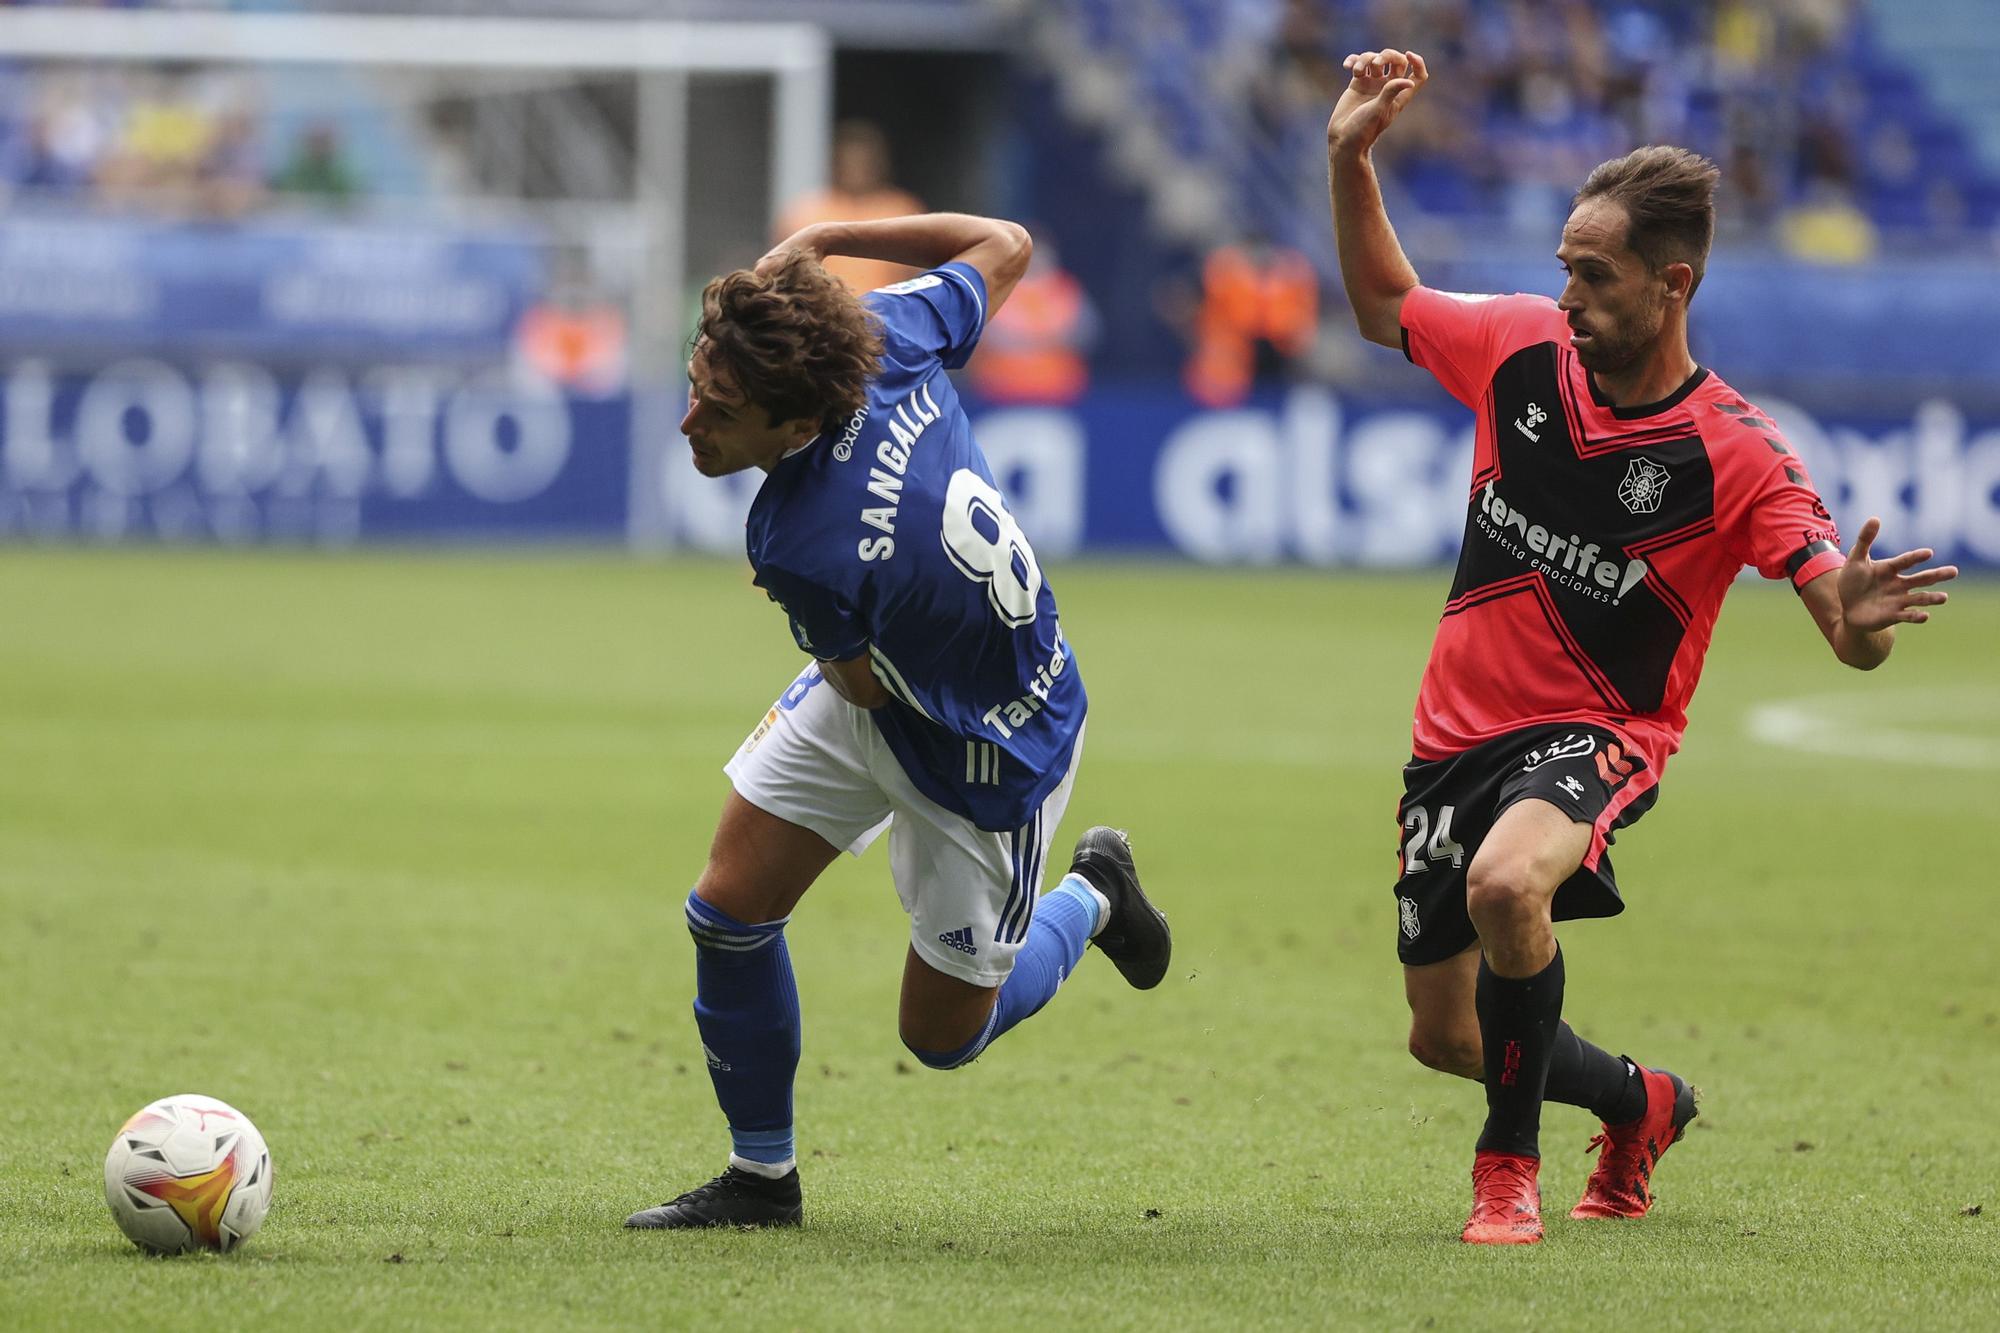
{"x":907,"y":420}
{"x":1606,"y":580}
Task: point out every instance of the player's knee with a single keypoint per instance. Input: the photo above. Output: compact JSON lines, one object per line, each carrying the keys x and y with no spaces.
{"x":942,"y":1039}
{"x":726,"y":888}
{"x":1501,"y":893}
{"x":719,"y":934}
{"x":1449,"y":1053}
{"x":957,"y":1058}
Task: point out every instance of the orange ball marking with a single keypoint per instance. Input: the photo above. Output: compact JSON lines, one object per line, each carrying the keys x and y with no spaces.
{"x":199,"y":1200}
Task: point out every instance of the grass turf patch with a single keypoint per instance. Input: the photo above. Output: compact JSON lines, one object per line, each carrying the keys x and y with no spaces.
{"x":389,"y":850}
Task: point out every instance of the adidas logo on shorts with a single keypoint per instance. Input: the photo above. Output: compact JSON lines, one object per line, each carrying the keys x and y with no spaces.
{"x":960,"y":939}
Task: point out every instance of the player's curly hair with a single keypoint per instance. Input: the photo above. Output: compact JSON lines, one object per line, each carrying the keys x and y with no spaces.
{"x":1669,"y":196}
{"x":796,"y":341}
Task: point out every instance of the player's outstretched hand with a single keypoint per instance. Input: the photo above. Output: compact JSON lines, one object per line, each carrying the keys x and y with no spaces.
{"x":1875,"y":594}
{"x":1383,"y":84}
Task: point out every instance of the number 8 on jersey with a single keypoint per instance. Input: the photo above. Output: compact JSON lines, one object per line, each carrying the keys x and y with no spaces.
{"x":988,"y":546}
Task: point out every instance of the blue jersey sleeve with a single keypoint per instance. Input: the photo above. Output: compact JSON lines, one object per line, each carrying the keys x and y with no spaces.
{"x":822,"y":621}
{"x":942,"y":311}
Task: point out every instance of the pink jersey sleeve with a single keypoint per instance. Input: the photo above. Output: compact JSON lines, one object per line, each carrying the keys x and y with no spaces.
{"x":1791,"y":535}
{"x":1462,"y":339}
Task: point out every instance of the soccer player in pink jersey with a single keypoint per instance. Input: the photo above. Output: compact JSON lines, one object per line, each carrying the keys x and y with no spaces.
{"x":1618,"y":489}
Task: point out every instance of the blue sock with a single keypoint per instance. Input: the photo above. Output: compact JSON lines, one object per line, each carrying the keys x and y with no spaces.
{"x":746,"y":1006}
{"x":1057,"y":937}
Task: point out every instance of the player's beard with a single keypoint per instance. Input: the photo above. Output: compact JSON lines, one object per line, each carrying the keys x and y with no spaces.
{"x":1620,"y":346}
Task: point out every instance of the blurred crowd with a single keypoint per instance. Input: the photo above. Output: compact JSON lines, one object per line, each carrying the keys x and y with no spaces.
{"x":1785,"y":95}
{"x":185,"y":141}
{"x":1831,"y":150}
{"x":1825,"y":143}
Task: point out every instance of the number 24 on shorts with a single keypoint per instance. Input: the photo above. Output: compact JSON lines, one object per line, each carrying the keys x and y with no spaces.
{"x":1426,"y":845}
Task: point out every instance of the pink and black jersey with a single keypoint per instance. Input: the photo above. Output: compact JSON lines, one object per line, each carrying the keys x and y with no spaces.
{"x":1599,"y":541}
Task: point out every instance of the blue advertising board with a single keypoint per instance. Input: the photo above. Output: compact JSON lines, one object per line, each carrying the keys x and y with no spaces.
{"x":231,"y":452}
{"x":351,"y":380}
{"x":270,"y":290}
{"x":1309,"y":476}
{"x":228,"y":451}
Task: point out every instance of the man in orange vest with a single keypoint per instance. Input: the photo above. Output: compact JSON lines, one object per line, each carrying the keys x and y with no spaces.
{"x":1033,"y":348}
{"x":1252,"y":295}
{"x":575,"y":335}
{"x":861,"y":192}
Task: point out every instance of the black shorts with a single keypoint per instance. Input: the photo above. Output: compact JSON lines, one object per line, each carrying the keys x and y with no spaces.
{"x":1449,"y":804}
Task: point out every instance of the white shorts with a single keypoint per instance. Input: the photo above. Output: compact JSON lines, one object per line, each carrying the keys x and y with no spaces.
{"x":819,"y":762}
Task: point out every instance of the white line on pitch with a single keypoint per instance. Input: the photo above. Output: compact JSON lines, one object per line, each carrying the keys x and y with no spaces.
{"x":1878,"y":725}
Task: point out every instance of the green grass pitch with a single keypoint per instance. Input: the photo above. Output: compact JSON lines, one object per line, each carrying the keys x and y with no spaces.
{"x":389,"y":851}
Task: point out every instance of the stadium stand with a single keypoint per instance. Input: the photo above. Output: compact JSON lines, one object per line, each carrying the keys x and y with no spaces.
{"x":1832,"y":144}
{"x":1809,"y":112}
{"x":1957,"y":46}
{"x":204,"y":140}
{"x":1850,"y":133}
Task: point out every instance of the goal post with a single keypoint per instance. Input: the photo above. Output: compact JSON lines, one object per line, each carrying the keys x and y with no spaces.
{"x":662,"y":57}
{"x":798,"y":57}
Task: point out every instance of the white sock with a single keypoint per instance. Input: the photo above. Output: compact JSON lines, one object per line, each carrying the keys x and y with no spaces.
{"x":764,"y":1169}
{"x":1103,"y":905}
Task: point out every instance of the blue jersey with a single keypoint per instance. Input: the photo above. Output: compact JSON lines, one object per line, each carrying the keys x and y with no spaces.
{"x":890,"y":538}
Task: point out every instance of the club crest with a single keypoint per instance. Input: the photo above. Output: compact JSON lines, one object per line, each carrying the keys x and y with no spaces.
{"x":1645,"y":485}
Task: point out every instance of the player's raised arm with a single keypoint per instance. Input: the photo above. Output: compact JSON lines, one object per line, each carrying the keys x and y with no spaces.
{"x":1372,"y":264}
{"x":997,"y":248}
{"x":1859,"y":605}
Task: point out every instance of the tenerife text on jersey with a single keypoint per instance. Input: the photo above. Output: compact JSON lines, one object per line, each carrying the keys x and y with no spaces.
{"x":1570,"y":561}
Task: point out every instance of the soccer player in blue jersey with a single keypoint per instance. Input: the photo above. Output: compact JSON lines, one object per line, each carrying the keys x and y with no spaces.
{"x":944,"y":704}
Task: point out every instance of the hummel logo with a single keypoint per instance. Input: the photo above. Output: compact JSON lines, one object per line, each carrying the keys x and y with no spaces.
{"x":960,"y":939}
{"x":1535,"y":418}
{"x":1573,"y":787}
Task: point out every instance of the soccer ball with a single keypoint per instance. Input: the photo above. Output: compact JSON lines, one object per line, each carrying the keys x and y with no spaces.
{"x":188,"y":1173}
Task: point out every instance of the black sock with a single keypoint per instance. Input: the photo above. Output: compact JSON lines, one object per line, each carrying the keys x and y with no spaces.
{"x":1518,"y":1019}
{"x":1606,"y":1085}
